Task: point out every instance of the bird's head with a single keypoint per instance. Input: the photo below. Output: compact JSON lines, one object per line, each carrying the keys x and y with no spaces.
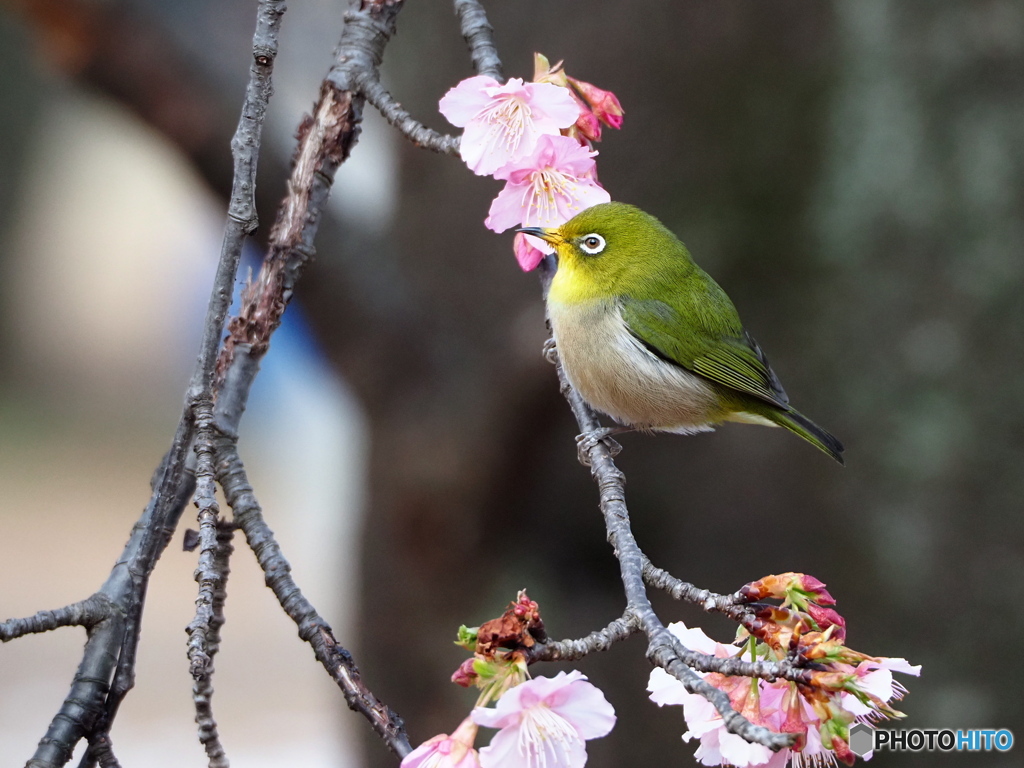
{"x":603,"y":249}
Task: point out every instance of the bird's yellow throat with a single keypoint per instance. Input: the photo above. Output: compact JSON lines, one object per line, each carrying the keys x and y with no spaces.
{"x":573,"y":283}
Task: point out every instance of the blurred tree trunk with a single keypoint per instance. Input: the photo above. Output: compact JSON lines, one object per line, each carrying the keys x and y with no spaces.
{"x":920,"y":215}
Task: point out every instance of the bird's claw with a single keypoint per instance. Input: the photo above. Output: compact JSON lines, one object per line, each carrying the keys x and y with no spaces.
{"x":588,"y":440}
{"x":550,"y":352}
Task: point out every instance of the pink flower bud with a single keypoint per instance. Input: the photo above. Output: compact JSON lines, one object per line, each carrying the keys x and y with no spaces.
{"x":828,"y":617}
{"x":527,"y":254}
{"x":842,"y":750}
{"x":465,"y":675}
{"x":604,"y":103}
{"x":815,"y":589}
{"x":587,"y":124}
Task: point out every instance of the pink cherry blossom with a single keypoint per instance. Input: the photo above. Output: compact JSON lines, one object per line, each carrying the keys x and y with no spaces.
{"x":546,"y":188}
{"x":703,"y":722}
{"x":781,"y":707}
{"x":874,"y":677}
{"x":502,"y":123}
{"x":717,"y":745}
{"x":544,"y":723}
{"x":443,"y":751}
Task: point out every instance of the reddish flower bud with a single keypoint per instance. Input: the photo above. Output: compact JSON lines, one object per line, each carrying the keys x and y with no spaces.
{"x":588,"y":125}
{"x":815,"y":589}
{"x":828,"y":617}
{"x":605,"y":105}
{"x":842,"y":750}
{"x":791,"y":588}
{"x":465,"y":675}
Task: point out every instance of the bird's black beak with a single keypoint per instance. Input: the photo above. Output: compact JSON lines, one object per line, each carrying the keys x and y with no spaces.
{"x":547,"y":235}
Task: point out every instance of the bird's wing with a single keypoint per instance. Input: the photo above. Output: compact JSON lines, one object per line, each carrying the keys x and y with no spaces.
{"x":722,"y":352}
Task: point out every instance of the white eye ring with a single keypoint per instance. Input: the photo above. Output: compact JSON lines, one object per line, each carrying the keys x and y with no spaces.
{"x":592,"y":243}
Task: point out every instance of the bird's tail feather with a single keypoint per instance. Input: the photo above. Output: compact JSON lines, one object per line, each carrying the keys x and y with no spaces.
{"x":799,"y":424}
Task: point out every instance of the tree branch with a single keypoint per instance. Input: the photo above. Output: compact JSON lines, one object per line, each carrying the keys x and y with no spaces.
{"x":85,"y":702}
{"x":85,"y":613}
{"x":479,"y":36}
{"x":663,"y":648}
{"x":600,"y":640}
{"x":312,"y":627}
{"x":102,"y":751}
{"x":106,"y":672}
{"x":407,"y":125}
{"x":202,"y":688}
{"x":733,"y":606}
{"x":325,"y":141}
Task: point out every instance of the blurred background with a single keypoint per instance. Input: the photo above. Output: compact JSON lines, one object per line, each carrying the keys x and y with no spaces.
{"x":852,"y":172}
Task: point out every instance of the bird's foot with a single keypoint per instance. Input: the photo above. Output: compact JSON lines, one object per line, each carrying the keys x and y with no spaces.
{"x":550,"y":352}
{"x":589,"y":440}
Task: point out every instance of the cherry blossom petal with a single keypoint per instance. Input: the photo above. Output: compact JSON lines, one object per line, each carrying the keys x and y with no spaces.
{"x":878,"y":683}
{"x":443,"y":751}
{"x":502,"y":123}
{"x":541,"y":742}
{"x":464,"y":102}
{"x":900,"y":665}
{"x":854,"y":706}
{"x":544,"y":723}
{"x":695,"y":639}
{"x":530,"y":251}
{"x":547,"y":188}
{"x":665,"y":689}
{"x":558,"y":109}
{"x":739,"y":752}
{"x":506,"y":209}
{"x":497,"y":717}
{"x":583,"y":705}
{"x":701,"y":717}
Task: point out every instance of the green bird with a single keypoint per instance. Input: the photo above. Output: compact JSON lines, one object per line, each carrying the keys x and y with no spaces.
{"x":647,"y":337}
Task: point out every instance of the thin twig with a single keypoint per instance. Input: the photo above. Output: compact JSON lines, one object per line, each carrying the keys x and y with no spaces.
{"x":207,"y":574}
{"x":377,"y":95}
{"x":202,"y":686}
{"x":85,"y":613}
{"x":325,"y":140}
{"x":600,"y":640}
{"x":211,"y":574}
{"x":733,"y":606}
{"x":241,"y":221}
{"x":313,"y":628}
{"x":479,"y":37}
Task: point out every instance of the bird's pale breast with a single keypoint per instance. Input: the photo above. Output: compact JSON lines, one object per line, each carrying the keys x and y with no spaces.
{"x":617,"y":375}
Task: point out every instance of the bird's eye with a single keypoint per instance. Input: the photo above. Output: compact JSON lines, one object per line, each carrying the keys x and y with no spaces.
{"x":592,"y":244}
